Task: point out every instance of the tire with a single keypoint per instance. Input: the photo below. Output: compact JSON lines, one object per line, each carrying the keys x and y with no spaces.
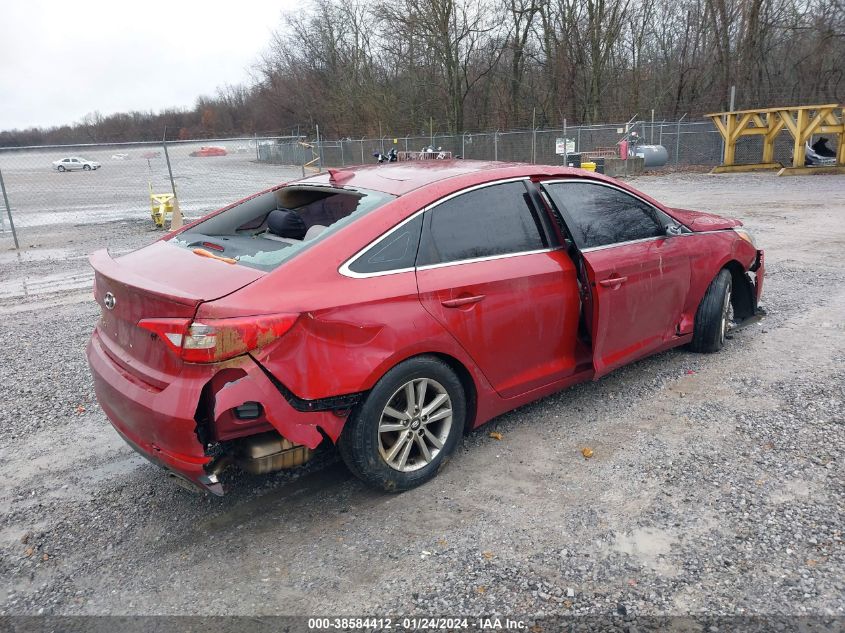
{"x":61,"y":168}
{"x":714,"y":315}
{"x":387,"y":450}
{"x":86,"y":167}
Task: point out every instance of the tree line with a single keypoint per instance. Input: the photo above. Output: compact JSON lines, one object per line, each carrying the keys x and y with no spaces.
{"x":366,"y":68}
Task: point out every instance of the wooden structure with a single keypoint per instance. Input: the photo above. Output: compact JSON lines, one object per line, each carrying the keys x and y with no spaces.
{"x":314,"y":165}
{"x":802,"y":122}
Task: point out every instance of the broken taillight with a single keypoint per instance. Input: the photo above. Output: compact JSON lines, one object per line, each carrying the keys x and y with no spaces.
{"x":213,"y":340}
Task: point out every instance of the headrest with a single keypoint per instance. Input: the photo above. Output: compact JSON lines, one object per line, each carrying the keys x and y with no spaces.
{"x":286,"y":223}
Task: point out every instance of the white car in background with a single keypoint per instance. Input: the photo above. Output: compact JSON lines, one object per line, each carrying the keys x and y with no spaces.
{"x":75,"y":162}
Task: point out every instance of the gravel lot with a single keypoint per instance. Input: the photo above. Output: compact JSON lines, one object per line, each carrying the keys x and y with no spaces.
{"x":717,"y":483}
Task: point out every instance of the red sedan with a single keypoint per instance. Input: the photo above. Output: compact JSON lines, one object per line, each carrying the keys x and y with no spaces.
{"x":209,"y":151}
{"x":388,"y":309}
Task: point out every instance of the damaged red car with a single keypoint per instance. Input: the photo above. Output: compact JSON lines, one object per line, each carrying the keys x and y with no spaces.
{"x":388,"y":309}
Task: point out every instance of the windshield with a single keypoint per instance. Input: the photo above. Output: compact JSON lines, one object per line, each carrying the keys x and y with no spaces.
{"x":267,"y":230}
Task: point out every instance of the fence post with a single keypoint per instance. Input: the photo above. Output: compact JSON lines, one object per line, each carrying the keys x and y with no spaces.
{"x":167,"y":158}
{"x":9,"y":211}
{"x":534,"y":137}
{"x":652,"y":126}
{"x":496,"y":145}
{"x":362,"y":151}
{"x":319,"y":146}
{"x":678,"y":140}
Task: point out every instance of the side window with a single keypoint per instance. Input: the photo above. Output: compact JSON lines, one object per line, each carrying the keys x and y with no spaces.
{"x":603,"y":215}
{"x":396,"y":251}
{"x":493,"y":220}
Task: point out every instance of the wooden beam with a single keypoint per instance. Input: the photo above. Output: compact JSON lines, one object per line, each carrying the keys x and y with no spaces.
{"x":774,"y":126}
{"x":805,"y":171}
{"x":730,"y":141}
{"x":786,"y":117}
{"x":717,"y":121}
{"x":733,"y":169}
{"x":799,"y":150}
{"x":766,"y":110}
{"x":740,"y":127}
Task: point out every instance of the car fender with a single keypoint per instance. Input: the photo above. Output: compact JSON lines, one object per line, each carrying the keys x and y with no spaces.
{"x":710,"y":254}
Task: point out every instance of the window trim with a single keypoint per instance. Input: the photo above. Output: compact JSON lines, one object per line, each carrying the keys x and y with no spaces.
{"x":346,"y":271}
{"x":589,"y":181}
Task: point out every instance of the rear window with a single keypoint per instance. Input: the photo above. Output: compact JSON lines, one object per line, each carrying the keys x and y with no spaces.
{"x":267,"y":230}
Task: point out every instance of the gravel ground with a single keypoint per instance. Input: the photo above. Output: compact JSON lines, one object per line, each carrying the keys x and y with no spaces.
{"x":717,"y":483}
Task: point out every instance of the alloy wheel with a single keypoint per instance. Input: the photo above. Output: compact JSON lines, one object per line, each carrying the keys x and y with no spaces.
{"x":415,"y":424}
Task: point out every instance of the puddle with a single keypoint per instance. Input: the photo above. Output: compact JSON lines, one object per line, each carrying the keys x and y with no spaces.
{"x":649,"y":546}
{"x":46,"y":284}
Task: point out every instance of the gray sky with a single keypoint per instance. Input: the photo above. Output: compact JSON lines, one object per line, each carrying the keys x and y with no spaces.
{"x":62,"y":59}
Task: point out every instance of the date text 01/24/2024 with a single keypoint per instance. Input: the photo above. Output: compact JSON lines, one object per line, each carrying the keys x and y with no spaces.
{"x":415,"y":624}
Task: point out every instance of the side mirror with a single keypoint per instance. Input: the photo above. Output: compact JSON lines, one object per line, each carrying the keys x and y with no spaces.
{"x":673,"y":229}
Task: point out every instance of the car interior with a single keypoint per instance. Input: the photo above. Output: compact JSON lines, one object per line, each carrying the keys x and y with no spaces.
{"x":269,"y":228}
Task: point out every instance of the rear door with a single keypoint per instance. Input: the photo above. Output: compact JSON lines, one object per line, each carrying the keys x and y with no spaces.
{"x":487,"y":270}
{"x":639,"y":275}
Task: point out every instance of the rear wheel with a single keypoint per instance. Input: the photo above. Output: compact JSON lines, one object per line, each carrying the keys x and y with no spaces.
{"x":714,"y":315}
{"x":61,"y":168}
{"x":408,"y":426}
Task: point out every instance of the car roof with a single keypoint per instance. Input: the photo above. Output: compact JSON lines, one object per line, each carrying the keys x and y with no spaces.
{"x":403,"y":177}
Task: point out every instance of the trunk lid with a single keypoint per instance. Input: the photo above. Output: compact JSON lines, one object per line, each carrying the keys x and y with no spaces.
{"x":158,"y":281}
{"x":699,"y":221}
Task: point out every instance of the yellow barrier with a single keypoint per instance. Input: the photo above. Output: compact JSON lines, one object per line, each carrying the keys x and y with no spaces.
{"x":588,"y":166}
{"x":160,"y":205}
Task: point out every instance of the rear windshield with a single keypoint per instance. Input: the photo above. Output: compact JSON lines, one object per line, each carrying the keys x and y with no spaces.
{"x":267,"y":230}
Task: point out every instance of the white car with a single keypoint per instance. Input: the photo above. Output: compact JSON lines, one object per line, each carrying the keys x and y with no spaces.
{"x":119,"y":156}
{"x":75,"y":162}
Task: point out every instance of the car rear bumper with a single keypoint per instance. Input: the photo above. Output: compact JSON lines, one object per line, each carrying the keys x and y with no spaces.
{"x":159,"y":424}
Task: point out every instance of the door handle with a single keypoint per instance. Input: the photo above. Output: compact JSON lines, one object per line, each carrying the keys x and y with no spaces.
{"x":462,"y":301}
{"x":613,"y":282}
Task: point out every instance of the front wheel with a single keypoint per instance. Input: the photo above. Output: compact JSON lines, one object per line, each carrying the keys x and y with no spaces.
{"x":408,"y":426}
{"x":714,"y":315}
{"x":86,"y":167}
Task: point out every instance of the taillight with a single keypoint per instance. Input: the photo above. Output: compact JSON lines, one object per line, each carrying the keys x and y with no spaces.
{"x":213,"y":340}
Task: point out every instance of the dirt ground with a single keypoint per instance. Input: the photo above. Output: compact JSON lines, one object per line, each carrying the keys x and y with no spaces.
{"x":717,"y":483}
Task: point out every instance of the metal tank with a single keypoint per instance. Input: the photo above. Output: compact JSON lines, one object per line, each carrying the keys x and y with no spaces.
{"x":654,"y":155}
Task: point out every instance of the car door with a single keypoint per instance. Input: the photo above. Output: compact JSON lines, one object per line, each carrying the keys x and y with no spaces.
{"x":489,"y":271}
{"x":75,"y":164}
{"x":639,"y":274}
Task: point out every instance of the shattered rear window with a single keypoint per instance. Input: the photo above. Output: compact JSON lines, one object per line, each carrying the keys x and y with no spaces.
{"x":265,"y":231}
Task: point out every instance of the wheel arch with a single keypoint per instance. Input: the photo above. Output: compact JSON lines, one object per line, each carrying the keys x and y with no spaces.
{"x":456,"y":365}
{"x":743,"y":297}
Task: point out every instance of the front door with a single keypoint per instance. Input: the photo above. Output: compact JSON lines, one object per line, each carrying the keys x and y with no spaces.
{"x":639,"y":276}
{"x":487,"y":272}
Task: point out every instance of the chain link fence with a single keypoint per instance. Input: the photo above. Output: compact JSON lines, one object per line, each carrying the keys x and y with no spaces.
{"x":208,"y":174}
{"x":687,"y":143}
